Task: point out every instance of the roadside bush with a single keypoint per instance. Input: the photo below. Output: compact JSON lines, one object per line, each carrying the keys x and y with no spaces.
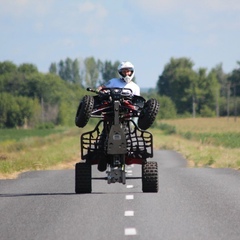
{"x":16,"y":111}
{"x":207,"y":112}
{"x":167,"y":128}
{"x":167,"y":109}
{"x":48,"y":125}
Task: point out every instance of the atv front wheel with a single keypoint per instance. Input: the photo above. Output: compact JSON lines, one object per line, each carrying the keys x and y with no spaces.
{"x":84,"y":111}
{"x":83,"y":178}
{"x":150,"y":177}
{"x":148,"y":114}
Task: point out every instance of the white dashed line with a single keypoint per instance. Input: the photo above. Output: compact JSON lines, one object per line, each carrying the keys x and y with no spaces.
{"x":129,"y":213}
{"x":130,"y":231}
{"x":129,"y":197}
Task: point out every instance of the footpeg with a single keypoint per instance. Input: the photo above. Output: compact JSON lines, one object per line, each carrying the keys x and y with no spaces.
{"x":116,"y":175}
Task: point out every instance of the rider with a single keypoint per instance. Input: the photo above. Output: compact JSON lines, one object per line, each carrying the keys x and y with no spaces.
{"x":126,"y":72}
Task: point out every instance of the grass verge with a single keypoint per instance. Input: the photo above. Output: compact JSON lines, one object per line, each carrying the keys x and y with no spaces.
{"x":34,"y":153}
{"x":212,"y":142}
{"x":61,"y":149}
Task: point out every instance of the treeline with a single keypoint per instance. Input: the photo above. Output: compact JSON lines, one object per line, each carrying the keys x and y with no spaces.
{"x":180,"y":89}
{"x":199,"y":92}
{"x":29,"y":98}
{"x":88,"y":72}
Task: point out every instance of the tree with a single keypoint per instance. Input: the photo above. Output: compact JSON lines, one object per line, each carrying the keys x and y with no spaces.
{"x":7,"y":67}
{"x":167,"y":109}
{"x":91,"y":72}
{"x":68,"y":76}
{"x":212,"y":92}
{"x":15,"y":111}
{"x":192,"y":93}
{"x":109,"y":70}
{"x":177,"y":82}
{"x":165,"y":84}
{"x":76,"y":78}
{"x":61,"y":69}
{"x":223,"y":97}
{"x":234,"y":80}
{"x":68,"y":70}
{"x":13,"y":82}
{"x":53,"y":68}
{"x":27,"y":68}
{"x":4,"y":97}
{"x":222,"y":79}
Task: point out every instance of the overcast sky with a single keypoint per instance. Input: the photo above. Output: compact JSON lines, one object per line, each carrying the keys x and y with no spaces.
{"x":146,"y":32}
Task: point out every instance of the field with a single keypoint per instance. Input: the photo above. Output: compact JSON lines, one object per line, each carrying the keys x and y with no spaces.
{"x":211,"y":142}
{"x":19,"y":134}
{"x":22,"y":150}
{"x":208,"y":142}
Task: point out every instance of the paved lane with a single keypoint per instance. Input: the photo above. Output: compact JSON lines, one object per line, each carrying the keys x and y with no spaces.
{"x":191,"y":204}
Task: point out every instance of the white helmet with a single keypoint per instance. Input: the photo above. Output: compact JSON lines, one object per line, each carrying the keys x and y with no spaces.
{"x":124,"y":65}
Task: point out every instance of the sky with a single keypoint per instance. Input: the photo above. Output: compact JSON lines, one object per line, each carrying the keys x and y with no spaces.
{"x":147,"y":33}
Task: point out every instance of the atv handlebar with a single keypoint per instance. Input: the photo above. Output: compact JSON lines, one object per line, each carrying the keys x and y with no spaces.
{"x":92,"y":90}
{"x":113,"y":92}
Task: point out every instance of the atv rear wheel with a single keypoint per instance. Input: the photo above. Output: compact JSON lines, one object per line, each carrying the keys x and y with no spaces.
{"x":83,"y":178}
{"x":150,"y":177}
{"x":148,"y":114}
{"x":84,"y":111}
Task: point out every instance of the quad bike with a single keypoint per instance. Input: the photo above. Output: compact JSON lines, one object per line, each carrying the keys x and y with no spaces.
{"x":117,"y":140}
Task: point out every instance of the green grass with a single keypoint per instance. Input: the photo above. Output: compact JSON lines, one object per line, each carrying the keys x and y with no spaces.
{"x":227,"y":139}
{"x":167,"y":128}
{"x":22,"y":150}
{"x":211,"y":142}
{"x":19,"y":134}
{"x":204,"y":142}
{"x":217,"y":132}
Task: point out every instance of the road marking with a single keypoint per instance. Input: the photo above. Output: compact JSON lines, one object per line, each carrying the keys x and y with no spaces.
{"x":130,"y":166}
{"x":129,"y":197}
{"x":130,"y":231}
{"x":129,"y":186}
{"x":129,"y":213}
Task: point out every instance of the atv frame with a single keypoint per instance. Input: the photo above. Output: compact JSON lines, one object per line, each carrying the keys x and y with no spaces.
{"x":116,"y":141}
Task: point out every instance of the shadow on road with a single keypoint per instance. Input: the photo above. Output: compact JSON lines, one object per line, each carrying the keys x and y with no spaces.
{"x":12,"y":195}
{"x":34,"y":194}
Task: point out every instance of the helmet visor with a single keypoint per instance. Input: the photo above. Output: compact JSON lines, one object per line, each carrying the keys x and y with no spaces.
{"x":127,"y":69}
{"x":123,"y":71}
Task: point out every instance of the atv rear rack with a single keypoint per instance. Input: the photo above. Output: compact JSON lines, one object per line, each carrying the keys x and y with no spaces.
{"x":139,"y":144}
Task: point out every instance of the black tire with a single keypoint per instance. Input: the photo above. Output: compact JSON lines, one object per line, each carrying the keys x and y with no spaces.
{"x":83,"y":178}
{"x":148,"y":114}
{"x":84,"y":111}
{"x":150,"y":177}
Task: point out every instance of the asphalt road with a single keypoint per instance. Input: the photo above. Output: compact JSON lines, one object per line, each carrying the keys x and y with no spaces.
{"x":191,"y":204}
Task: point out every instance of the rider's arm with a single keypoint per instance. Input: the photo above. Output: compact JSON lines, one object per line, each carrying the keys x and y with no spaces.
{"x":100,"y":87}
{"x":136,"y":90}
{"x":106,"y":85}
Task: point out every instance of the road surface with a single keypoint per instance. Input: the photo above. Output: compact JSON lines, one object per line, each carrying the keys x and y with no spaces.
{"x":192,"y":203}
